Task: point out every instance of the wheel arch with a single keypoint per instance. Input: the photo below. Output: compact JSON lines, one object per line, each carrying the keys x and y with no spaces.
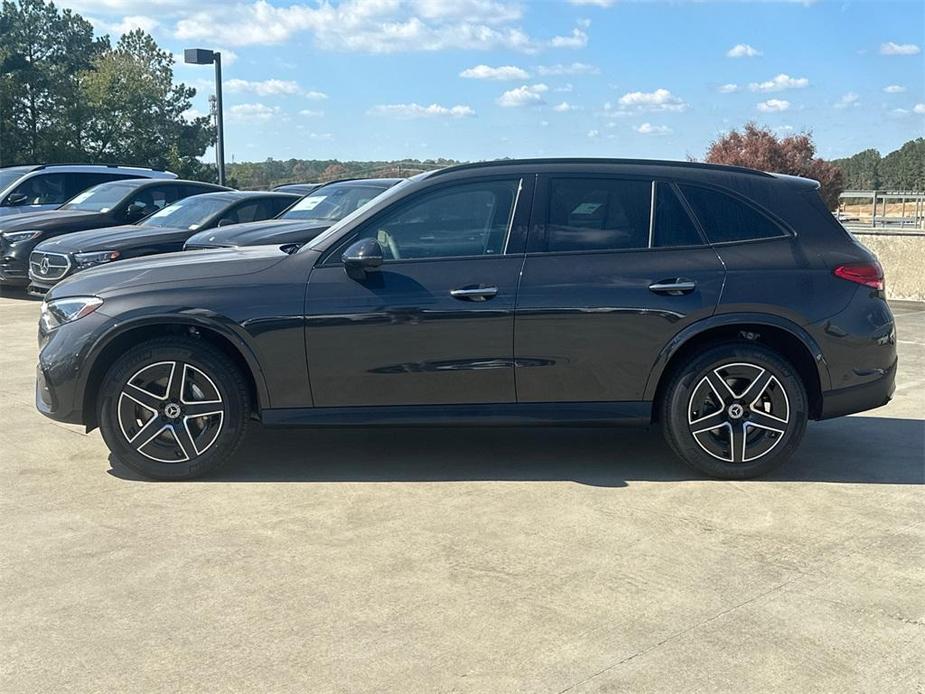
{"x":129,"y":334}
{"x":785,"y":337}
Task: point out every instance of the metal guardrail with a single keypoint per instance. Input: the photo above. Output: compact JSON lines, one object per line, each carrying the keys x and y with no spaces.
{"x":911,"y":213}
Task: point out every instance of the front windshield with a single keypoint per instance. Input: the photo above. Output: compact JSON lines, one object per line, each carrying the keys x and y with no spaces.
{"x":346,"y":221}
{"x":9,"y":176}
{"x":189,"y":213}
{"x":332,"y":202}
{"x":100,"y":198}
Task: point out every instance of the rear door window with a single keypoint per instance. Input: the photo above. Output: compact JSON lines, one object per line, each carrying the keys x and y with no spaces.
{"x":672,"y":226}
{"x":598,"y":214}
{"x":725,"y":219}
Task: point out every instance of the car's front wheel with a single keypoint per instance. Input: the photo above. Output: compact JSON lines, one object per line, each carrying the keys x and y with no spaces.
{"x":736,"y":411}
{"x":173,"y":408}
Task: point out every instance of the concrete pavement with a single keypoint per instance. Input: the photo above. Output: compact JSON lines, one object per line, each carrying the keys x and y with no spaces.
{"x":510,"y":560}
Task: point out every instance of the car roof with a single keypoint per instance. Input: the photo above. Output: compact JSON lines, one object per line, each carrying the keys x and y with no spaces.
{"x":376,"y":182}
{"x":78,"y":167}
{"x":238,"y":195}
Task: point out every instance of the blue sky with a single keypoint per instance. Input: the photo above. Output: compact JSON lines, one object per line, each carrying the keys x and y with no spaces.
{"x":480,"y":79}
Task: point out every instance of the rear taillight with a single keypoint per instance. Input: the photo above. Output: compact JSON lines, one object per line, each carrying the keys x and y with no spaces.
{"x":868,"y":274}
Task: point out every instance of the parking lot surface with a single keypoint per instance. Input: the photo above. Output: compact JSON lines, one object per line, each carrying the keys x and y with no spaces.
{"x":502,"y":560}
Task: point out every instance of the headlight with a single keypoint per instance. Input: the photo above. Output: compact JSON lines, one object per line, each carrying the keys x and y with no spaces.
{"x":57,"y":312}
{"x":20,"y":236}
{"x":85,"y":260}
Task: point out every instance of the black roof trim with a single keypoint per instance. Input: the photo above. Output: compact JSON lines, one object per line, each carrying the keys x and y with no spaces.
{"x":601,"y":160}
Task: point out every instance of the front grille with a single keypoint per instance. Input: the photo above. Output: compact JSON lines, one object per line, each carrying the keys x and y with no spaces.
{"x":48,"y":266}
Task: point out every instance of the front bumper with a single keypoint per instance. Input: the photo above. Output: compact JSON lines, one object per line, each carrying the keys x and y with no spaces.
{"x":14,"y":272}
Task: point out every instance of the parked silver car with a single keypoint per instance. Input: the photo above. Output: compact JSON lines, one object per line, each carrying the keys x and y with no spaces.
{"x":40,"y":187}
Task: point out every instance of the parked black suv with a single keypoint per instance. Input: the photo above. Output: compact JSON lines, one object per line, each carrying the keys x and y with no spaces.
{"x":165,"y":231}
{"x":727,"y":305}
{"x":302,"y":222}
{"x":103,"y":205}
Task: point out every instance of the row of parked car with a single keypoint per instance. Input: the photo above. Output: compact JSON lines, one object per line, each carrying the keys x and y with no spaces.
{"x":57,"y":220}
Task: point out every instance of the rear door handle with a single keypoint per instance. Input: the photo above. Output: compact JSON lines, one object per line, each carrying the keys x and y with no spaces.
{"x":474,"y":293}
{"x":674,"y":287}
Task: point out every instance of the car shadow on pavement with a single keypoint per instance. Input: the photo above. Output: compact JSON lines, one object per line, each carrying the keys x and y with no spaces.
{"x":875,"y":450}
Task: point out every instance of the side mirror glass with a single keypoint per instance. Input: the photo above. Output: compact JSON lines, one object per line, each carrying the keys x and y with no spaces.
{"x":14,"y":199}
{"x":361,"y":257}
{"x":135,"y":211}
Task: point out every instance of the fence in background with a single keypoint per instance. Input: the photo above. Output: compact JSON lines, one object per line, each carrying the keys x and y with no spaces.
{"x":871,"y":209}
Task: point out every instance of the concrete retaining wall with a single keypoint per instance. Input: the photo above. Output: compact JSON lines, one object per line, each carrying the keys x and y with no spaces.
{"x":902,"y":255}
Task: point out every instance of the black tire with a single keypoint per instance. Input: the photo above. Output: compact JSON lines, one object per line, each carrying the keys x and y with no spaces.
{"x":198,"y":435}
{"x":709,"y":435}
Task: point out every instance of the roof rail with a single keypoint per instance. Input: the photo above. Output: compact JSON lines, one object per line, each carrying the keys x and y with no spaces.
{"x":601,"y":160}
{"x":83,"y":163}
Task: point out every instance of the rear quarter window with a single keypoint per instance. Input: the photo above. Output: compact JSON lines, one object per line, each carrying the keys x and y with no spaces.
{"x":726,"y":219}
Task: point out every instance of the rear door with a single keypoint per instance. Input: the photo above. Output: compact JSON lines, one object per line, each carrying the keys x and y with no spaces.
{"x":615,"y":267}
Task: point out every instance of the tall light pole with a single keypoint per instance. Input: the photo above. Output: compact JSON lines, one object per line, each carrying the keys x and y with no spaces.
{"x":203,"y":56}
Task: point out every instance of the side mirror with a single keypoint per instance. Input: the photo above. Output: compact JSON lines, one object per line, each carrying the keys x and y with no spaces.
{"x":135,"y":211}
{"x":224,"y":222}
{"x":14,"y":199}
{"x":361,"y":257}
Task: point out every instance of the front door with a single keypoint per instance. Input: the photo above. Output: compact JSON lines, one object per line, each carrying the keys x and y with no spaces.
{"x":434,"y":323}
{"x":615,"y":267}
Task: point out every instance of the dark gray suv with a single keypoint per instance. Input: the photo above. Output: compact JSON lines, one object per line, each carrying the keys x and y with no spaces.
{"x":725,"y":305}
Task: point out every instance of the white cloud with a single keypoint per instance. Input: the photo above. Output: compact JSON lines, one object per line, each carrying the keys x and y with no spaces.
{"x":594,"y":134}
{"x":891,"y":48}
{"x":327,"y":137}
{"x":594,"y":3}
{"x":894,"y":89}
{"x":649,"y":129}
{"x":192,"y":114}
{"x":848,"y":100}
{"x":309,"y":113}
{"x":919,"y":108}
{"x":728,"y":88}
{"x":132,"y":22}
{"x":372,"y":26}
{"x":417,"y":111}
{"x":773,"y":105}
{"x":568,"y":69}
{"x":503,"y":72}
{"x":779,"y":83}
{"x":525,"y":95}
{"x":565,"y":107}
{"x":565,"y":88}
{"x":577,"y":39}
{"x":742,"y":50}
{"x":315,"y":95}
{"x":252,"y":112}
{"x":269,"y":87}
{"x":659,"y":100}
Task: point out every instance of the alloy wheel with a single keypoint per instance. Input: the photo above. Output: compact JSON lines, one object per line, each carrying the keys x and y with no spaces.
{"x":738,"y":412}
{"x":170,"y":412}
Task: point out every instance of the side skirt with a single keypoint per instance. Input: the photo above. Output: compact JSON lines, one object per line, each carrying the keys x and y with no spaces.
{"x":492,"y":414}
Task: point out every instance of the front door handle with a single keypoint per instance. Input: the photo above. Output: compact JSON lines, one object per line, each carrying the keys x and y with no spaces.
{"x":474,"y":293}
{"x":674,"y":287}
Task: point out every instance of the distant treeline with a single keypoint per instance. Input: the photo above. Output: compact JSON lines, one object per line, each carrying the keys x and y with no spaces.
{"x":274,"y":172}
{"x":902,"y":170}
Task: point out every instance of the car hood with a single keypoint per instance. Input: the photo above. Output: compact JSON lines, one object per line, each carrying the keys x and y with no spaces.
{"x":51,"y":219}
{"x":271,"y":231}
{"x":169,"y":268}
{"x":111,"y":238}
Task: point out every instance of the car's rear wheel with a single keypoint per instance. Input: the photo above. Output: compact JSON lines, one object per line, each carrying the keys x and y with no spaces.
{"x":173,"y":408}
{"x":736,"y":411}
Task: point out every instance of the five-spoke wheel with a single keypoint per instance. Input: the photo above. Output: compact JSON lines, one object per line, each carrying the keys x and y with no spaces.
{"x":737,"y":410}
{"x":173,"y":408}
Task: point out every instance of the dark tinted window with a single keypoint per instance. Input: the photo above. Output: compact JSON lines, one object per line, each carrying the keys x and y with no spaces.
{"x":45,"y":189}
{"x":154,"y":198}
{"x":673,"y":225}
{"x":463,"y":220}
{"x":593,"y":214}
{"x":277,"y":205}
{"x":724,"y":218}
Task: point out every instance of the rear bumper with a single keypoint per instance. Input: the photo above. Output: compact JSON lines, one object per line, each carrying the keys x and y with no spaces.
{"x":860,"y":398}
